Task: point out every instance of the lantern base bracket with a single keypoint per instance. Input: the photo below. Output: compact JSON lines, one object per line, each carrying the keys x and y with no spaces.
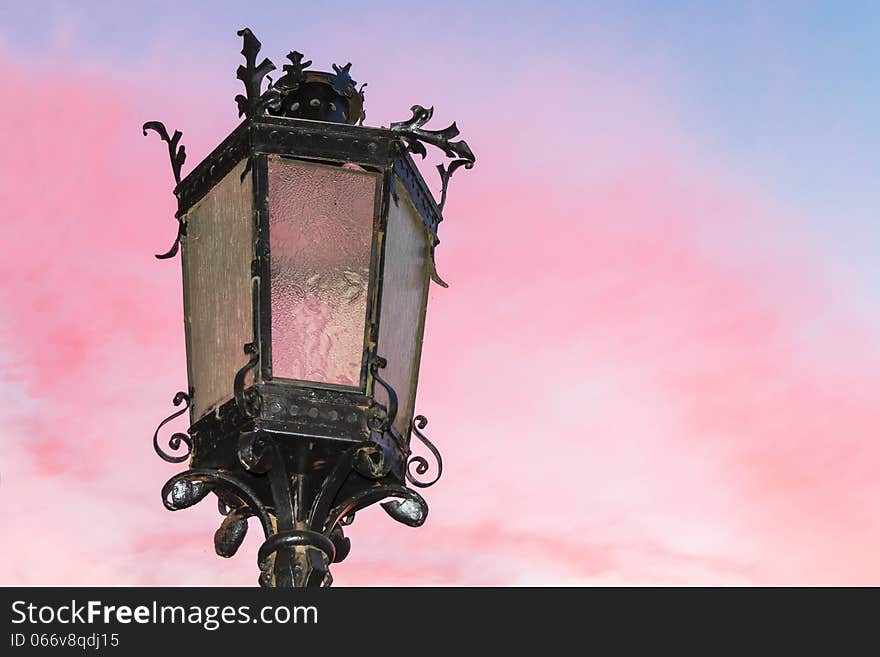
{"x":301,"y":490}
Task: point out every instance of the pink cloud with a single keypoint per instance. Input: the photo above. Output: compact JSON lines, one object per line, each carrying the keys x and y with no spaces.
{"x":640,"y":374}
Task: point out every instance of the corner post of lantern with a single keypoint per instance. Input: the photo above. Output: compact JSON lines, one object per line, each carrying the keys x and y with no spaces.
{"x":307,"y":247}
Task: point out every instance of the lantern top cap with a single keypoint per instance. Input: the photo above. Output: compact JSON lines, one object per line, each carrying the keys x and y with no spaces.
{"x":299,"y":93}
{"x":318,"y":97}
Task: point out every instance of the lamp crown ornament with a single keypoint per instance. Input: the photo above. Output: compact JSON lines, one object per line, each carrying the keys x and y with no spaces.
{"x":307,"y":243}
{"x":300,"y":93}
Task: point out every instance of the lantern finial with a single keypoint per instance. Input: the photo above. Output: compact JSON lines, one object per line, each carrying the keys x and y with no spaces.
{"x":299,"y":93}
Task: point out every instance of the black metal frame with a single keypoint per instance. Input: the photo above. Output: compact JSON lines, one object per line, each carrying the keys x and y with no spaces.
{"x":304,"y":457}
{"x":256,"y":139}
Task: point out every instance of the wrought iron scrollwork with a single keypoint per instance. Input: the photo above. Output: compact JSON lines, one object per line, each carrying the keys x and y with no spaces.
{"x":415,"y":138}
{"x":342,"y":82}
{"x":293,"y":538}
{"x":435,"y":276}
{"x":410,"y":508}
{"x":385,"y":420}
{"x":177,"y":153}
{"x":251,"y":74}
{"x":420,"y":462}
{"x":313,"y":537}
{"x":360,"y":92}
{"x":303,"y":491}
{"x":446,"y":174}
{"x":414,"y":135}
{"x":293,"y":72}
{"x":191,"y":486}
{"x":248,"y":401}
{"x":176,"y":439}
{"x":181,"y":232}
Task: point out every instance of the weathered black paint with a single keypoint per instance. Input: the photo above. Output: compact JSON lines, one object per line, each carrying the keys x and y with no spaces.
{"x":304,"y":458}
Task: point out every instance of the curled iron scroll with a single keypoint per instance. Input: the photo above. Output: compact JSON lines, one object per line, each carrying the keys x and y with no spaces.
{"x":420,"y":462}
{"x":189,"y":487}
{"x":177,"y":438}
{"x":409,"y":507}
{"x":382,"y":424}
{"x":246,"y":400}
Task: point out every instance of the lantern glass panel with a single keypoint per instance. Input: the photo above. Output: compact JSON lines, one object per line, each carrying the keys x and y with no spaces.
{"x":217,"y":254}
{"x":321,"y":221}
{"x":404,"y":295}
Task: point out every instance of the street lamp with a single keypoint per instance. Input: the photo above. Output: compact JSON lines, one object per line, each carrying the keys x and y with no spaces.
{"x":307,"y":243}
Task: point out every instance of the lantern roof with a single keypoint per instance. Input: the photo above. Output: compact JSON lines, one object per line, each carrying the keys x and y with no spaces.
{"x":311,"y":110}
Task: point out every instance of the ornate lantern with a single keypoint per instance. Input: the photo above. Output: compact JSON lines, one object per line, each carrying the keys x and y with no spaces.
{"x":307,"y":242}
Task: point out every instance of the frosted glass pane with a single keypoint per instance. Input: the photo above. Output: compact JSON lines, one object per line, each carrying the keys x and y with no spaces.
{"x":217,"y":254}
{"x":320,"y":237}
{"x":404,"y":294}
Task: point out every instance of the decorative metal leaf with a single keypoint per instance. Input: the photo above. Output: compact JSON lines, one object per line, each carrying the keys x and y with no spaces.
{"x":230,"y":535}
{"x":188,"y":487}
{"x":177,"y":153}
{"x":342,"y":82}
{"x":419,"y":118}
{"x":170,"y":253}
{"x":252,"y":77}
{"x":411,"y":511}
{"x":446,"y":174}
{"x":293,"y":72}
{"x":411,"y":130}
{"x":435,"y":276}
{"x":341,"y":542}
{"x":415,"y":146}
{"x":363,"y":111}
{"x":187,"y":492}
{"x":413,"y":135}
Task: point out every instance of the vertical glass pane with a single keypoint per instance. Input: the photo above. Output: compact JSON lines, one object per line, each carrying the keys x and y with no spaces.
{"x":217,"y":254}
{"x":320,"y":237}
{"x":404,"y":295}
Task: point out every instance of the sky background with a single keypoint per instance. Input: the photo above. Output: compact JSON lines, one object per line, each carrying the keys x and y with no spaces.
{"x":657,"y":362}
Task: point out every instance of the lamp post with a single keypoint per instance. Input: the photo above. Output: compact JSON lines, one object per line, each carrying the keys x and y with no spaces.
{"x":307,"y":244}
